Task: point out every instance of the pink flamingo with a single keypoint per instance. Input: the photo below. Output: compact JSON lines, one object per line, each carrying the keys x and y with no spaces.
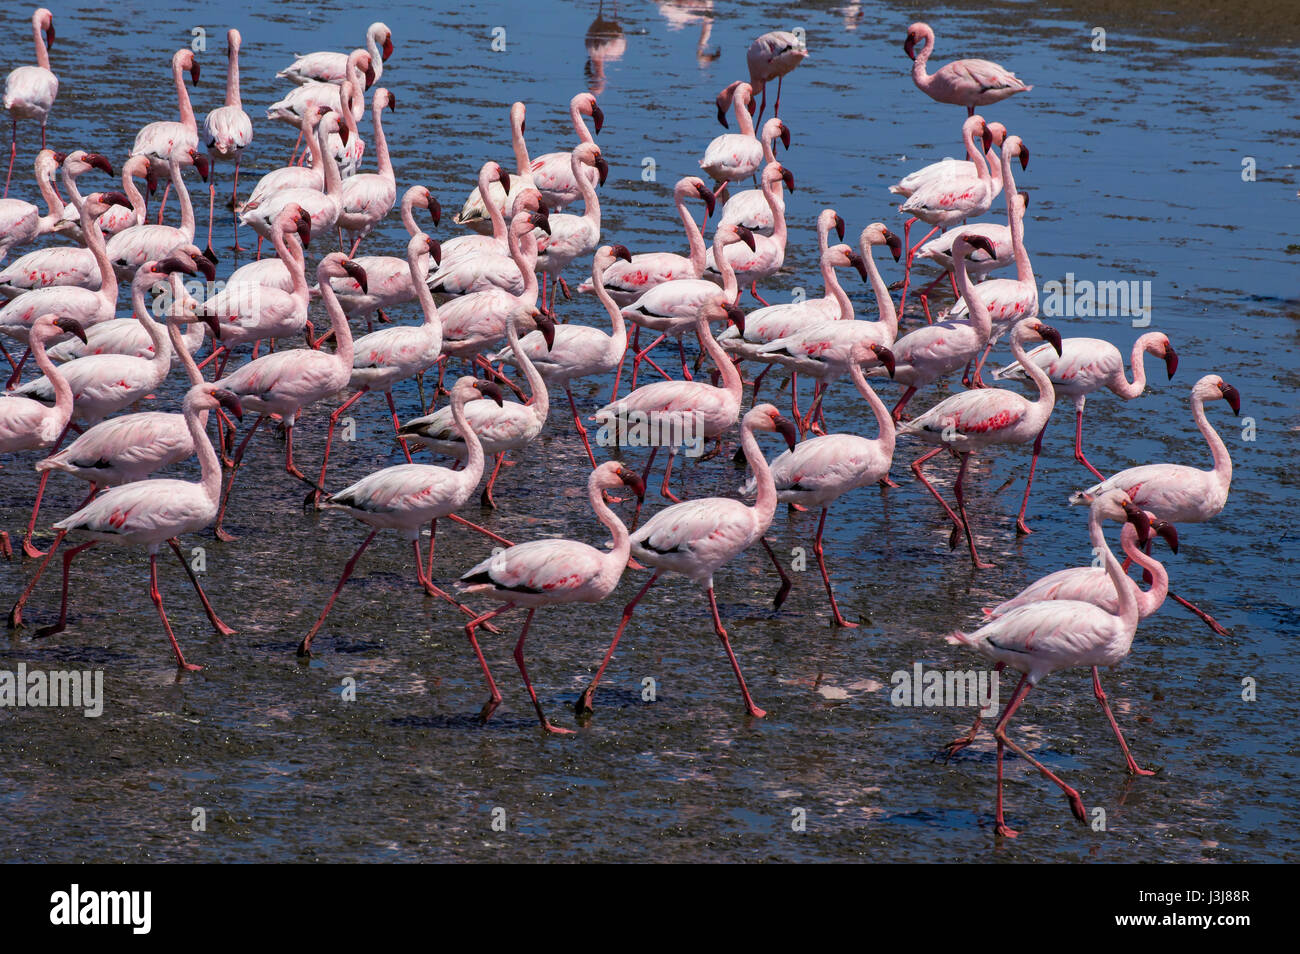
{"x":389,"y":356}
{"x":227,"y":132}
{"x":1088,"y":365}
{"x":454,"y":248}
{"x":817,"y":472}
{"x":553,"y":172}
{"x":969,"y":421}
{"x":132,"y":247}
{"x":578,"y":351}
{"x":407,"y":496}
{"x":359,"y":71}
{"x":481,"y":263}
{"x":935,"y":351}
{"x":474,"y":213}
{"x":159,"y":140}
{"x":768,"y":255}
{"x":958,"y":168}
{"x":750,"y":208}
{"x":150,"y":512}
{"x":330,"y":67}
{"x":771,"y":57}
{"x":708,"y":411}
{"x":1178,"y":493}
{"x":1092,"y":584}
{"x":115,"y":219}
{"x":968,"y":83}
{"x":552,"y":573}
{"x":734,"y":156}
{"x":21,"y":222}
{"x":573,"y":236}
{"x":369,"y":197}
{"x":285,"y":382}
{"x":30,"y":90}
{"x":293,"y":176}
{"x":324,"y":207}
{"x":979,"y":264}
{"x":1041,"y":638}
{"x":626,"y":281}
{"x":695,"y":538}
{"x":509,"y":426}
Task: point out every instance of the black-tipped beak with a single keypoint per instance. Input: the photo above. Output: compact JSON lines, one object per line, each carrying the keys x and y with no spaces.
{"x":1137,"y":516}
{"x":1024,"y":156}
{"x":620,"y":251}
{"x":60,"y":158}
{"x":194,"y":72}
{"x":49,"y":37}
{"x":177,"y":263}
{"x":981,"y":243}
{"x":99,"y":162}
{"x":909,"y":46}
{"x":895,"y":244}
{"x":785,"y":140}
{"x":343,"y":133}
{"x":705,"y":193}
{"x":1051,"y":336}
{"x":746,"y":236}
{"x":72,"y":326}
{"x":230,"y":401}
{"x":1024,"y":197}
{"x":885,"y":356}
{"x":752,"y":106}
{"x":1231,"y":395}
{"x":787,"y":430}
{"x":490,"y":390}
{"x":435,"y":251}
{"x":116,"y":198}
{"x":392,"y":102}
{"x":633,"y":481}
{"x":151,"y":181}
{"x":542,"y":221}
{"x":504,"y":178}
{"x":788,"y":177}
{"x":358,"y":274}
{"x":1171,"y":360}
{"x":435,"y":210}
{"x":1167,"y":532}
{"x":547,"y":327}
{"x":598,"y":117}
{"x":370,"y":75}
{"x":201,"y":163}
{"x":722,"y":111}
{"x":856,"y":261}
{"x":987,"y":138}
{"x":304,"y":229}
{"x":213,"y":325}
{"x":839,"y":226}
{"x":388,"y":47}
{"x":736,"y":317}
{"x":603,"y":168}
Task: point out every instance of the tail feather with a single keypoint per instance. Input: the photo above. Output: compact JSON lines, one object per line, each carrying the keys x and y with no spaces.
{"x":958,"y":638}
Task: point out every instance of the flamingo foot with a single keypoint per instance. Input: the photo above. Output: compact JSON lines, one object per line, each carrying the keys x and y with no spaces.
{"x":30,"y":549}
{"x":1022,"y":529}
{"x":224,"y":535}
{"x":556,"y":730}
{"x":1005,"y":831}
{"x":6,"y":548}
{"x":489,"y":707}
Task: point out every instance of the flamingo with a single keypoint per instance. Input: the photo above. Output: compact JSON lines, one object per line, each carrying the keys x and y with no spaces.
{"x":579,"y":351}
{"x":1088,"y":365}
{"x":454,"y":248}
{"x":817,"y":472}
{"x":968,"y":83}
{"x":958,"y":168}
{"x":330,"y":67}
{"x":1092,"y":584}
{"x":481,"y":262}
{"x":407,"y":496}
{"x":550,"y":573}
{"x":368,"y":197}
{"x":323,"y":207}
{"x":691,"y":407}
{"x":504,"y":428}
{"x":293,"y":176}
{"x":158,"y":141}
{"x":30,"y":90}
{"x":71,"y":301}
{"x":770,"y":57}
{"x":21,"y":222}
{"x":768,"y":255}
{"x":671,"y":307}
{"x":696,"y":538}
{"x":386,"y":357}
{"x":1176,"y":492}
{"x":734,"y":156}
{"x":750,"y":208}
{"x":935,"y":351}
{"x":115,"y":219}
{"x":359,"y":70}
{"x":969,"y":421}
{"x":227,"y":132}
{"x":573,"y":236}
{"x":130,"y":248}
{"x":150,"y":512}
{"x":474,"y":213}
{"x":116,"y":451}
{"x":553,"y":172}
{"x":625,"y":281}
{"x":285,"y":382}
{"x":979,"y":265}
{"x":1045,"y":637}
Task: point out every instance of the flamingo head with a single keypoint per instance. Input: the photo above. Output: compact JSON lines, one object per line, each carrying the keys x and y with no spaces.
{"x":839,"y":225}
{"x":233,"y":42}
{"x":386,"y":48}
{"x":987,"y":137}
{"x":1022,"y":200}
{"x":357,"y":274}
{"x":45,"y":22}
{"x":1231,"y":395}
{"x":519,"y":116}
{"x":915,"y":35}
{"x":589,"y":154}
{"x":201,"y":163}
{"x":1136,"y":516}
{"x":227,"y":400}
{"x":871,"y":351}
{"x":501,"y":176}
{"x":94,"y":160}
{"x":106,"y":199}
{"x":367,"y":67}
{"x":539,"y":220}
{"x":434,"y":249}
{"x":742,"y":234}
{"x":545,"y":324}
{"x":705,"y":193}
{"x":974,"y":241}
{"x":735,"y":316}
{"x":785,"y":134}
{"x":1048,"y":334}
{"x":434,"y":207}
{"x":390,"y":101}
{"x":71,"y":326}
{"x":172,"y":263}
{"x":877,"y":234}
{"x":619,"y":251}
{"x":1166,"y":531}
{"x":589,"y":106}
{"x":765,"y":417}
{"x":185,"y":60}
{"x":204,"y":261}
{"x":628,"y":478}
{"x":1170,"y":356}
{"x":58,"y":157}
{"x":1015,"y":146}
{"x":724,"y":101}
{"x":999,"y":132}
{"x":486,"y":389}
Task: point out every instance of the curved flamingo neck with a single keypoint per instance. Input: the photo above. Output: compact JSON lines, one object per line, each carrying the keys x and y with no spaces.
{"x":1152,"y":599}
{"x":579,"y":123}
{"x":1124,"y":586}
{"x":1015,"y":222}
{"x":884,"y":419}
{"x":1042,"y":405}
{"x":419,"y":266}
{"x":730,"y":287}
{"x":138,"y":204}
{"x":376,"y":58}
{"x":493,"y":207}
{"x":472,"y":472}
{"x":338,"y":323}
{"x":209,"y":466}
{"x":183,"y":97}
{"x":42,"y":51}
{"x":834,"y":289}
{"x":765,"y":503}
{"x":385,"y":163}
{"x":976,"y":155}
{"x":523,"y":164}
{"x":310,"y":129}
{"x":618,"y":329}
{"x":731,"y":381}
{"x":591,"y":201}
{"x":744,"y":121}
{"x":919,"y":76}
{"x":769,"y":147}
{"x":294,"y":261}
{"x":694,"y":237}
{"x":232,"y":78}
{"x":613,"y":562}
{"x":95,"y":242}
{"x":183,"y":194}
{"x":540,"y":400}
{"x":778,"y":211}
{"x":53,"y":201}
{"x":884,"y":301}
{"x":157,"y":332}
{"x":63,"y":399}
{"x":980,"y":317}
{"x":329,"y":165}
{"x":1137,"y":361}
{"x":1222,"y":460}
{"x":523,"y":249}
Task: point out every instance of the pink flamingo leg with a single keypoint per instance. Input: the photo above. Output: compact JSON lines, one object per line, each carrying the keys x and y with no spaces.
{"x":664,"y":489}
{"x":314,"y":497}
{"x":219,"y":530}
{"x":786,"y":583}
{"x":18,"y":371}
{"x":1100,"y":693}
{"x":62,"y":624}
{"x":916,"y":469}
{"x":221,"y":628}
{"x":960,"y":494}
{"x":426,"y":581}
{"x":1076,"y":803}
{"x":523,"y":671}
{"x":1021,"y":527}
{"x":582,"y":431}
{"x":483,"y":530}
{"x":1205,"y":617}
{"x":752,"y":709}
{"x":826,"y":578}
{"x":907,"y":274}
{"x":156,"y":596}
{"x":494,"y":699}
{"x":29,"y":547}
{"x":902,"y":403}
{"x":13,"y":152}
{"x":304,"y":648}
{"x":956,"y":745}
{"x":584,"y":703}
{"x":485,"y":498}
{"x":162,"y":207}
{"x":234,"y":202}
{"x":1078,"y":444}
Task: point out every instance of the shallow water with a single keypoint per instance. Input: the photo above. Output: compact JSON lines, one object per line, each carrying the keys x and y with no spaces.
{"x":1136,"y":175}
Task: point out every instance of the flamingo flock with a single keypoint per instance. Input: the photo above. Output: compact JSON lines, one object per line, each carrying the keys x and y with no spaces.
{"x":490,"y":302}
